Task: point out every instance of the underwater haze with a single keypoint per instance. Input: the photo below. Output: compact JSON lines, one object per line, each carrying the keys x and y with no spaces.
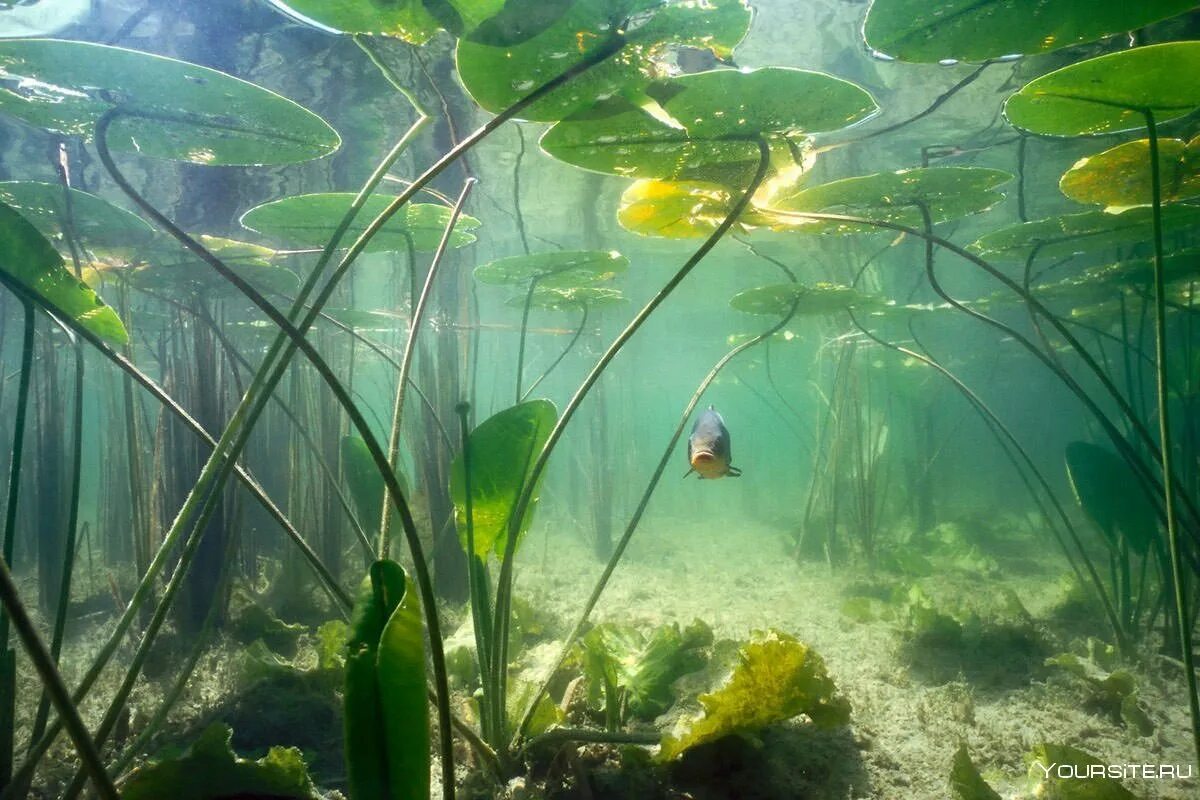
{"x":599,"y":399}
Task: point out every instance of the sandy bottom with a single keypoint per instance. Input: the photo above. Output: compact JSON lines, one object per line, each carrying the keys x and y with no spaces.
{"x":905,"y":727}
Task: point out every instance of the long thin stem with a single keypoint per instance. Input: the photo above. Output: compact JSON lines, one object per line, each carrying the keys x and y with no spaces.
{"x":583,"y":318}
{"x":504,"y":582}
{"x":1182,"y":613}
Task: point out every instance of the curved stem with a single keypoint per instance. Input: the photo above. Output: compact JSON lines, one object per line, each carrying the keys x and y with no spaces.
{"x":533,"y":283}
{"x":583,"y":318}
{"x":504,"y":582}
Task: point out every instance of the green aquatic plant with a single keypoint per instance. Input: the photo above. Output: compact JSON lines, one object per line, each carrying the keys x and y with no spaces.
{"x":1065,"y":772}
{"x":965,"y":781}
{"x":1112,"y":690}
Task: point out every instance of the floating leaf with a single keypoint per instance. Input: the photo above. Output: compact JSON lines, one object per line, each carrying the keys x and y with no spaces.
{"x":172,"y":269}
{"x":965,"y":781}
{"x":707,"y":125}
{"x":818,"y":299}
{"x":1065,"y":773}
{"x":387,"y":711}
{"x":312,"y":219}
{"x":413,"y":21}
{"x":503,"y":449}
{"x":1119,"y":178}
{"x":1109,"y":493}
{"x":97,"y":223}
{"x":975,"y":30}
{"x":551,"y":299}
{"x":498,"y":76}
{"x":177,"y":110}
{"x":679,"y":209}
{"x":210,"y":770}
{"x":1109,"y":93}
{"x":777,"y":678}
{"x":1068,"y":234}
{"x":562,"y":269}
{"x":947,"y":192}
{"x":31,"y":262}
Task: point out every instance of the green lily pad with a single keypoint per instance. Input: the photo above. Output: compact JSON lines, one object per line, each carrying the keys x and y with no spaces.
{"x":1068,"y":234}
{"x":776,"y":678}
{"x":498,"y":76}
{"x":1045,"y":780}
{"x":1107,"y":282}
{"x":1108,"y":93}
{"x":503,"y":449}
{"x":413,"y":21}
{"x":947,"y":192}
{"x":680,"y":209}
{"x":817,"y":299}
{"x":562,"y":269}
{"x":711,"y":125}
{"x":1119,"y":178}
{"x":172,"y":270}
{"x":923,"y":31}
{"x":311,"y":219}
{"x":210,"y":770}
{"x":29,"y":260}
{"x":1108,"y":492}
{"x":97,"y":222}
{"x":569,"y":299}
{"x":184,"y":112}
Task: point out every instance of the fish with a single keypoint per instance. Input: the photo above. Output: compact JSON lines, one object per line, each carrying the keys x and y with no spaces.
{"x":708,"y":448}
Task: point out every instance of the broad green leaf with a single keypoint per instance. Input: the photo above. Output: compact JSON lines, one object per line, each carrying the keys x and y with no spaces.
{"x":1045,"y":781}
{"x":553,"y":299}
{"x":706,"y":125}
{"x":499,"y":76}
{"x":1109,"y":493}
{"x":170,"y":269}
{"x":777,"y":678}
{"x":311,"y":219}
{"x":387,"y":713}
{"x":947,"y":192}
{"x":1119,"y":178}
{"x":210,"y":770}
{"x":1108,"y":282}
{"x":818,"y":299}
{"x":1109,"y":93}
{"x":965,"y":781}
{"x":563,"y":269}
{"x":1065,"y":235}
{"x":679,"y":210}
{"x":29,"y":260}
{"x":182,"y":111}
{"x":503,"y":449}
{"x":975,"y":30}
{"x":413,"y":21}
{"x":97,"y":223}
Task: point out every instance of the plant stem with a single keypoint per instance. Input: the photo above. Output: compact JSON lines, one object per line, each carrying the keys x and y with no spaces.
{"x":1178,"y":581}
{"x":583,"y":318}
{"x":533,"y":283}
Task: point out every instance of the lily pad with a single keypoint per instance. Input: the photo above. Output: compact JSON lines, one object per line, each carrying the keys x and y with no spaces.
{"x":29,"y":260}
{"x":311,"y":219}
{"x":173,"y":270}
{"x":1119,"y":178}
{"x":777,"y":678}
{"x":210,"y":770}
{"x":1068,"y":234}
{"x":947,"y":192}
{"x":817,"y":299}
{"x":563,"y":269}
{"x":680,"y":209}
{"x":922,"y":31}
{"x":498,"y":76}
{"x":555,"y":299}
{"x":97,"y":222}
{"x":413,"y":21}
{"x":177,"y":110}
{"x":503,"y":449}
{"x":1109,"y":93}
{"x":705,"y":126}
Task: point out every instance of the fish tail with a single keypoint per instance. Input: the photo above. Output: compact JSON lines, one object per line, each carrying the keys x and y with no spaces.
{"x":734,"y":472}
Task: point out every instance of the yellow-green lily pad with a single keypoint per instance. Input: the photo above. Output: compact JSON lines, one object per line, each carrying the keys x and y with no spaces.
{"x":819,"y":299}
{"x":97,"y":223}
{"x":560,"y":269}
{"x":1069,"y":234}
{"x":1119,"y":178}
{"x":679,"y":209}
{"x":550,"y":298}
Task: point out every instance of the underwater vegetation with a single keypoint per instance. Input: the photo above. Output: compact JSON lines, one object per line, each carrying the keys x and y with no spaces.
{"x":329,"y":329}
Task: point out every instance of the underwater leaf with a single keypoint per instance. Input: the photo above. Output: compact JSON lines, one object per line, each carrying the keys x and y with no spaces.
{"x":818,"y":299}
{"x":210,"y":770}
{"x":312,"y":219}
{"x":1108,"y":93}
{"x":679,"y":209}
{"x":947,"y":192}
{"x":97,"y":223}
{"x":177,"y":110}
{"x":1108,"y":491}
{"x":412,"y":21}
{"x":1068,"y":234}
{"x":1119,"y":178}
{"x":1060,"y":772}
{"x":560,"y":269}
{"x":550,"y":299}
{"x":965,"y":781}
{"x":973,"y":30}
{"x":28,"y":260}
{"x":170,"y":269}
{"x":503,"y":449}
{"x":497,"y":76}
{"x":706,"y":125}
{"x":386,"y":710}
{"x":365,"y":482}
{"x":777,"y":678}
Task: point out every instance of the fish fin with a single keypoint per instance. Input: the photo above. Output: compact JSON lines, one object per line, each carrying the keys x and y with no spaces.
{"x":734,"y":472}
{"x":689,"y":472}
